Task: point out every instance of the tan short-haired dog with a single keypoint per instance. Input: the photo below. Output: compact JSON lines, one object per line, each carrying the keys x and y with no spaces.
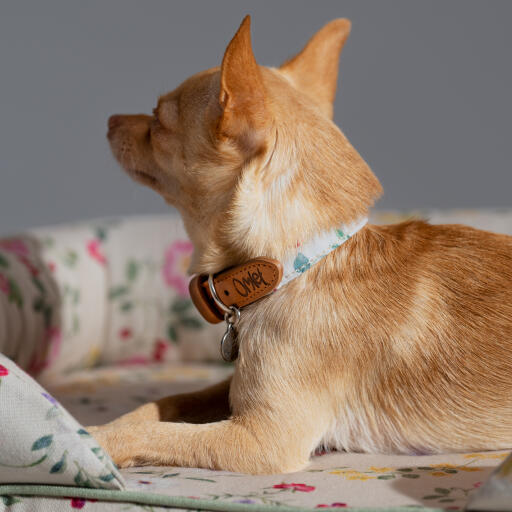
{"x":398,"y":340}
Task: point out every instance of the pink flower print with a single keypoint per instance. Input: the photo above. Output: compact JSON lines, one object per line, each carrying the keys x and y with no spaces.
{"x":159,"y":350}
{"x":15,"y":246}
{"x":20,"y":250}
{"x":77,"y":503}
{"x":3,"y":371}
{"x":295,"y":487}
{"x":125,"y":333}
{"x":95,"y":252}
{"x":476,"y":485}
{"x":176,"y":263}
{"x":336,"y":504}
{"x":28,"y":264}
{"x":80,"y":502}
{"x":4,"y":284}
{"x":52,"y":266}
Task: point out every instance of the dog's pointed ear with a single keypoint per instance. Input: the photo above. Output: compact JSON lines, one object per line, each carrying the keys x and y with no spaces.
{"x":314,"y":70}
{"x":242,"y":95}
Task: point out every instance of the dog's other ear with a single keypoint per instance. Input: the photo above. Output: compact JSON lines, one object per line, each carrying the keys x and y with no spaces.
{"x":314,"y":70}
{"x":242,"y":93}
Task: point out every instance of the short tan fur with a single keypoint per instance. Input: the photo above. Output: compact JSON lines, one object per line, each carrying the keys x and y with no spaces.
{"x":399,"y":341}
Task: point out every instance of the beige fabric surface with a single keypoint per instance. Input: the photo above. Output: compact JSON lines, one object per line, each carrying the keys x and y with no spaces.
{"x":335,"y":479}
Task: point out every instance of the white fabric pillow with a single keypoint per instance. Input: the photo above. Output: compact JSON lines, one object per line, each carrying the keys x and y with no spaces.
{"x":41,"y":443}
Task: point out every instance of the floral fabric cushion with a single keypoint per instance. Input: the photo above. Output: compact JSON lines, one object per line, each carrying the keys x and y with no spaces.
{"x":29,"y":303}
{"x":41,"y":443}
{"x":109,"y":291}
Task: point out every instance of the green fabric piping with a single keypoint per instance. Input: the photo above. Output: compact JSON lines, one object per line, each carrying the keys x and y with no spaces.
{"x":145,"y":498}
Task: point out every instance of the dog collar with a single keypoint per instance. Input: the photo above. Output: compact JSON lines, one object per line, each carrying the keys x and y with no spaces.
{"x":220,"y":296}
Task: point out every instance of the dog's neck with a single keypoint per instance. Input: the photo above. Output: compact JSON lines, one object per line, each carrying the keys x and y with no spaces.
{"x":226,"y":292}
{"x":289,"y":193}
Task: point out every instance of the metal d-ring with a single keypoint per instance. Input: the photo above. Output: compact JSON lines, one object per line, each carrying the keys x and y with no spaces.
{"x":233,"y":316}
{"x":225,"y":309}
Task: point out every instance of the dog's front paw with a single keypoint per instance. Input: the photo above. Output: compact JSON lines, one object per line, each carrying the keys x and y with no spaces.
{"x":117,"y":443}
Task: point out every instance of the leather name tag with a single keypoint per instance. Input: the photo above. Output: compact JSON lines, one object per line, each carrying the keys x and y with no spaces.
{"x":237,"y":286}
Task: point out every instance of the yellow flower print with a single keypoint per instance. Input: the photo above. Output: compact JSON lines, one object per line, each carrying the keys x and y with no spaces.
{"x":467,"y":468}
{"x":486,"y":455}
{"x":360,"y":477}
{"x":380,"y":470}
{"x":438,"y":473}
{"x":344,"y":472}
{"x":449,"y":466}
{"x":351,"y":474}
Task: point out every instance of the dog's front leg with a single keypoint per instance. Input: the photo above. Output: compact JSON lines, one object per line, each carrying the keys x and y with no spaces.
{"x":255,"y":442}
{"x":243,"y":444}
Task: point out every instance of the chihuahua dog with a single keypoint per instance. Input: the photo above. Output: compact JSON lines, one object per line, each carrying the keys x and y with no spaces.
{"x":399,"y":340}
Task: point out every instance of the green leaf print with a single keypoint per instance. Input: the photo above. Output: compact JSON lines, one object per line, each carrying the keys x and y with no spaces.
{"x":117,"y":291}
{"x":126,"y":306}
{"x":181,"y":305}
{"x":3,"y":261}
{"x":38,"y":284}
{"x":10,"y":500}
{"x":191,"y":323}
{"x":341,"y":234}
{"x":60,"y":466}
{"x":301,"y":263}
{"x":42,"y":442}
{"x":75,"y":326}
{"x":101,"y":233}
{"x":70,"y":258}
{"x":38,"y":304}
{"x":132,"y":270}
{"x":172,"y":334}
{"x":15,"y":293}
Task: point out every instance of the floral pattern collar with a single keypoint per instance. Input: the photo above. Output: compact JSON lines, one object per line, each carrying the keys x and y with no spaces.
{"x":308,"y":254}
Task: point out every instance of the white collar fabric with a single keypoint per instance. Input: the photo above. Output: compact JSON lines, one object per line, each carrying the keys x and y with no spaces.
{"x":309,"y":253}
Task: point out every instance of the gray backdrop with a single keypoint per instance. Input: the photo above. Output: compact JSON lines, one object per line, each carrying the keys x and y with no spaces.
{"x":425,"y":93}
